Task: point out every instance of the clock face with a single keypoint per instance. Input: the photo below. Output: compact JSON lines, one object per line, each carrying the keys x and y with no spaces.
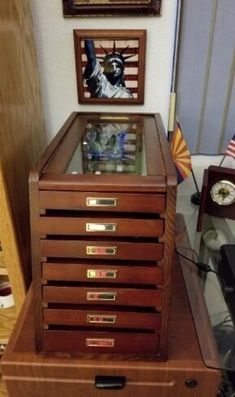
{"x":223,"y":192}
{"x":218,"y":194}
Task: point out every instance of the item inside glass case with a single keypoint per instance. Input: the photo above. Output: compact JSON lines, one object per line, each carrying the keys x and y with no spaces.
{"x":110,"y":147}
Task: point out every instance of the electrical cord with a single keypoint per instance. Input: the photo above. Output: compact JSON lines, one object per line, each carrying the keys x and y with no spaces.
{"x":226,"y":330}
{"x":203,"y":267}
{"x":191,"y":250}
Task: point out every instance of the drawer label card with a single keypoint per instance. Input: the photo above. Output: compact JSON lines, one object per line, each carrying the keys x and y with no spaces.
{"x":97,"y":342}
{"x":98,"y":250}
{"x":101,"y":273}
{"x":101,"y":319}
{"x":101,"y":296}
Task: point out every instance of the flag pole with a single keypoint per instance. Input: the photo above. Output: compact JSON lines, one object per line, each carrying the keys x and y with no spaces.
{"x":171,"y":118}
{"x":195,"y":198}
{"x":222,"y":160}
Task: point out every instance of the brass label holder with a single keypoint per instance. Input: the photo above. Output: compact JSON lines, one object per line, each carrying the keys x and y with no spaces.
{"x":101,"y":202}
{"x":98,"y":342}
{"x":101,"y":319}
{"x":101,"y":273}
{"x":100,"y":250}
{"x":101,"y":227}
{"x":101,"y":296}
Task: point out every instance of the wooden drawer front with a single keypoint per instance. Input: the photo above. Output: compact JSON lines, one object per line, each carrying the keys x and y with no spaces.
{"x":149,"y":203}
{"x":99,"y":273}
{"x":102,"y":296}
{"x":102,"y":318}
{"x":101,"y":250}
{"x":101,"y":342}
{"x":101,"y":226}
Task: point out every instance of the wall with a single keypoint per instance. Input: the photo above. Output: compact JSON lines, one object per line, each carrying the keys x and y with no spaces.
{"x":55,"y":51}
{"x":206,"y":70}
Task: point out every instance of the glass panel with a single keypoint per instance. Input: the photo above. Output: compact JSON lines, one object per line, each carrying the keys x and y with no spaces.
{"x":110,"y":148}
{"x":217,"y":286}
{"x":219,"y":295}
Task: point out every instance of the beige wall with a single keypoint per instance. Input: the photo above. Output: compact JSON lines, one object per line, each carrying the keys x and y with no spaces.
{"x":54,"y":42}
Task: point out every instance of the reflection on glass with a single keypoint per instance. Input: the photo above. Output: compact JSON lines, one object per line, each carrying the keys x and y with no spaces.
{"x":218,"y":289}
{"x":110,"y":147}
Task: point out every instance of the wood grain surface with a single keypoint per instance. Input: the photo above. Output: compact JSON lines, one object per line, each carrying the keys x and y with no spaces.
{"x":3,"y":392}
{"x":22,"y":136}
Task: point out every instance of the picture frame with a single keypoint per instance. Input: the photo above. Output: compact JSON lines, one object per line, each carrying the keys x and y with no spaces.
{"x":98,"y":53}
{"x":89,"y":8}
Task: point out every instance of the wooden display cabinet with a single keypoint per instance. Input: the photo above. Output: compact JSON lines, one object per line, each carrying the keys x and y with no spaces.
{"x":102,"y":201}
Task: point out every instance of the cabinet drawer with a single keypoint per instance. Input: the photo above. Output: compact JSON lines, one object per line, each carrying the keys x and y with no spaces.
{"x":92,"y":201}
{"x":102,"y":296}
{"x":101,"y":249}
{"x":101,"y":342}
{"x":102,"y":318}
{"x":111,"y":273}
{"x":101,"y":226}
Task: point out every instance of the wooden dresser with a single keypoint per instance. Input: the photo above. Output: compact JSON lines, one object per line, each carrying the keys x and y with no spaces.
{"x":102,"y":201}
{"x":77,"y":375}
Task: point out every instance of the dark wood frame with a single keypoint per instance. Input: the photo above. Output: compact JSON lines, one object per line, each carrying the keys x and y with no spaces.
{"x":103,"y":35}
{"x":212,"y":175}
{"x":77,"y":8}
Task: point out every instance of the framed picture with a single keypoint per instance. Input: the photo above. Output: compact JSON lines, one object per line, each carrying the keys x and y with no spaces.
{"x":110,"y":66}
{"x":82,"y":8}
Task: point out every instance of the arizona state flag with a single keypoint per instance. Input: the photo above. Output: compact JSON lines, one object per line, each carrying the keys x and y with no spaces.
{"x":180,"y":154}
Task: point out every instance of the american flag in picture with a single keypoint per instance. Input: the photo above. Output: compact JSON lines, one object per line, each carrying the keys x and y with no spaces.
{"x":130,"y":51}
{"x":230,"y":151}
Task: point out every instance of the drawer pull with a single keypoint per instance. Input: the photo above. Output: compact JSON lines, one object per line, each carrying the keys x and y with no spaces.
{"x":101,"y":202}
{"x":98,"y":250}
{"x":101,"y":296}
{"x":101,"y":227}
{"x":98,"y":342}
{"x":101,"y":319}
{"x":100,"y":273}
{"x":110,"y":382}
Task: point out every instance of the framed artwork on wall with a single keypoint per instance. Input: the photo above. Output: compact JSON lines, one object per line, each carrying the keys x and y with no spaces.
{"x":82,"y":8}
{"x":110,"y":66}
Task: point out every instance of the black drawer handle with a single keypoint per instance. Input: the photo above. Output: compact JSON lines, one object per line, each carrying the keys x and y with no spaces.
{"x":110,"y":382}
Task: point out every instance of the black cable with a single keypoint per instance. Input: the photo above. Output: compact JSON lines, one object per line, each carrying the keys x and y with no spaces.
{"x":190,"y":249}
{"x":203,"y":267}
{"x":185,"y":257}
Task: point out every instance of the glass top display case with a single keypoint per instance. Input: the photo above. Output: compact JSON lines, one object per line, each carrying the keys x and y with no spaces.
{"x":132,"y":147}
{"x":102,"y":206}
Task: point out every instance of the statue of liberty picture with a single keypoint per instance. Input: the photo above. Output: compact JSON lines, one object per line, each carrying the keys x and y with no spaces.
{"x":110,"y":66}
